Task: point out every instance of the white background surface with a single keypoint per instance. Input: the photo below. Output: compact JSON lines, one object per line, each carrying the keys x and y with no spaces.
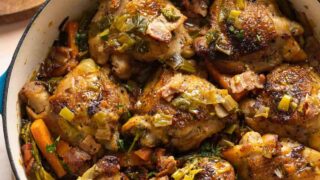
{"x":10,"y":35}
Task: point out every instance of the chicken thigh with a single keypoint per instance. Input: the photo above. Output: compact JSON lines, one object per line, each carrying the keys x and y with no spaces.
{"x":250,"y":34}
{"x":288,"y":106}
{"x":180,"y":111}
{"x":205,"y":168}
{"x":84,"y":109}
{"x":267,"y":157}
{"x":145,"y":30}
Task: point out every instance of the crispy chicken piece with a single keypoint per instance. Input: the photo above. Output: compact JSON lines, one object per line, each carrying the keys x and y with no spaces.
{"x":211,"y":168}
{"x":36,"y":98}
{"x":59,"y":62}
{"x":288,"y":105}
{"x":147,"y":30}
{"x":84,"y":109}
{"x":179,"y":111}
{"x":95,"y":102}
{"x":267,"y":157}
{"x":250,"y":34}
{"x":107,"y":168}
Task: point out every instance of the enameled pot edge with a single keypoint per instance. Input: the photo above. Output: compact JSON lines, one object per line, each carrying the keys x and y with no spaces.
{"x":4,"y":115}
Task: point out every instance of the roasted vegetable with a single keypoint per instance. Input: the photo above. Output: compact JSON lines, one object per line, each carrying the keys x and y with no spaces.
{"x":31,"y":156}
{"x":43,"y":139}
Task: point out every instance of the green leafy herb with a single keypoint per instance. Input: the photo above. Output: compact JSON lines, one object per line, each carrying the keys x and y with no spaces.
{"x":208,"y":149}
{"x":129,"y":114}
{"x":82,"y":34}
{"x":82,"y":41}
{"x":52,"y":84}
{"x":151,"y":174}
{"x":53,"y":147}
{"x":121,"y":144}
{"x":136,"y":138}
{"x":238,"y":33}
{"x":100,"y":25}
{"x":170,"y":14}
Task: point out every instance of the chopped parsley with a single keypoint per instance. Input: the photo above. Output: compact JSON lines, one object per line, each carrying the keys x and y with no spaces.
{"x":121,"y":144}
{"x":238,"y":33}
{"x":53,"y":147}
{"x":208,"y":149}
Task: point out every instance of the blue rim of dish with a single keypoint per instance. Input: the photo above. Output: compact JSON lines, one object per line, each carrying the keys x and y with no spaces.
{"x":5,"y":95}
{"x":2,"y":82}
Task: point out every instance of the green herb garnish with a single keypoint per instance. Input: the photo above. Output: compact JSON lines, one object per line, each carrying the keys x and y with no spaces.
{"x":136,"y":138}
{"x":208,"y":149}
{"x":53,"y":147}
{"x":238,"y":33}
{"x":121,"y":144}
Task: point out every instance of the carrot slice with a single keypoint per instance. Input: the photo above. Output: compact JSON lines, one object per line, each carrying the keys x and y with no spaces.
{"x":62,"y":148}
{"x":43,"y":138}
{"x":72,"y":29}
{"x":144,"y":153}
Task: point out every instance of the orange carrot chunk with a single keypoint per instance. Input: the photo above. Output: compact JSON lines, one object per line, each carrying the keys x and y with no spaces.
{"x":144,"y":153}
{"x":43,"y":139}
{"x":72,"y":29}
{"x":62,"y":148}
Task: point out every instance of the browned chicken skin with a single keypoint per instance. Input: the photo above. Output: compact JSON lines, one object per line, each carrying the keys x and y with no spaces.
{"x":180,"y":111}
{"x":267,"y":157}
{"x":144,"y":107}
{"x":298,"y":88}
{"x":206,"y":168}
{"x":251,"y":35}
{"x":95,"y":102}
{"x":146,"y":30}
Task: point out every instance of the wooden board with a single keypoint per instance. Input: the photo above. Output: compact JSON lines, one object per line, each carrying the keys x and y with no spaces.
{"x":15,"y":10}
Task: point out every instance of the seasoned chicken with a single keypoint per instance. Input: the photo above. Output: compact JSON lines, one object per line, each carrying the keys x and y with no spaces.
{"x":288,"y":105}
{"x":95,"y":102}
{"x":36,"y":97}
{"x":107,"y":168}
{"x":205,"y":168}
{"x":180,"y":111}
{"x":267,"y":157}
{"x":84,"y":109}
{"x":250,"y":34}
{"x":58,"y":63}
{"x":146,"y":30}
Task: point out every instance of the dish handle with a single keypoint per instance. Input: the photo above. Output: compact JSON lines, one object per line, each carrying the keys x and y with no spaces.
{"x":2,"y":83}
